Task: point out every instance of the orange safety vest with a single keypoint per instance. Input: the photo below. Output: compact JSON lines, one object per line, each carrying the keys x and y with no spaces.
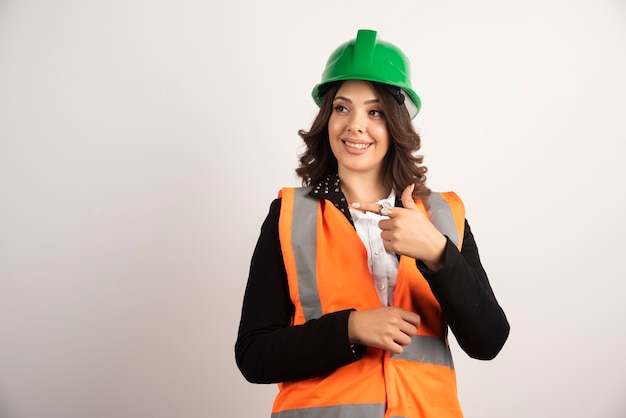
{"x":327,"y":271}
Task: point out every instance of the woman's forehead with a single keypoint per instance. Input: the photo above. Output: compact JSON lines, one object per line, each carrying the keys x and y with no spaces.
{"x":357,"y":88}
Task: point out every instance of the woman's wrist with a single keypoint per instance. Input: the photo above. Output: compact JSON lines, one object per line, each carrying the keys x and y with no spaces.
{"x":437,"y":261}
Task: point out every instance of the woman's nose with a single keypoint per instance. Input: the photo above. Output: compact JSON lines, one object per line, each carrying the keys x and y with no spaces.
{"x":356,"y":123}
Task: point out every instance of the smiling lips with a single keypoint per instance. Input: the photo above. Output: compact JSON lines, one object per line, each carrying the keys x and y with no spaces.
{"x":356,"y":145}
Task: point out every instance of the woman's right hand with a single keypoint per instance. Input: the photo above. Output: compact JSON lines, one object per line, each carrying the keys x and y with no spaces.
{"x":388,"y":328}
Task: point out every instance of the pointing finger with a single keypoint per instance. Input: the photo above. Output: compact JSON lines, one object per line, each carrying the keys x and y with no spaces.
{"x":367,"y":207}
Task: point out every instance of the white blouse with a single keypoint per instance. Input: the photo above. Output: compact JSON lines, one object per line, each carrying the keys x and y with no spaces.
{"x":383,"y":264}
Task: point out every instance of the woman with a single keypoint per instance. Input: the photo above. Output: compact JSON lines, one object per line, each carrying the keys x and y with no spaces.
{"x":357,"y":276}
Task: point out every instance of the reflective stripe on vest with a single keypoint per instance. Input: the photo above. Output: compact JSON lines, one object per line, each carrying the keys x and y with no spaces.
{"x":335,"y":411}
{"x":425,"y":349}
{"x":441,"y":216}
{"x":303,"y":239}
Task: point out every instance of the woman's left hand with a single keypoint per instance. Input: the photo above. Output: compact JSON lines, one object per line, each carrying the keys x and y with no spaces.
{"x":409,"y":232}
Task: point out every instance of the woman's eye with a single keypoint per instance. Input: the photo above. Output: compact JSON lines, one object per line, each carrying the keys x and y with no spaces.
{"x":376,"y":113}
{"x":341,"y":108}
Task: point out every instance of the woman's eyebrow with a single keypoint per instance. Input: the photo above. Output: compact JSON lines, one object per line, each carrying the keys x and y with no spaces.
{"x":342,"y":98}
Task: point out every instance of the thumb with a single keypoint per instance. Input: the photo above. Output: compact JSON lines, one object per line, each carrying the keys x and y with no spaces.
{"x":407,"y":197}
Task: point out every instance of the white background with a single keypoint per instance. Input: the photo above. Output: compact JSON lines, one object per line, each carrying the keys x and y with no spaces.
{"x":141,"y":143}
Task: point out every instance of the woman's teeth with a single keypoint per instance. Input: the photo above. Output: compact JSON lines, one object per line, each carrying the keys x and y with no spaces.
{"x":357,"y":146}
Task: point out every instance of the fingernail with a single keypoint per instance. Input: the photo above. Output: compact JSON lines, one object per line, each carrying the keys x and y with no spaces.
{"x":356,"y":205}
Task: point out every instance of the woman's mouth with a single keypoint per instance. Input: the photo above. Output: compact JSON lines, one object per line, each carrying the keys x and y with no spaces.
{"x":355,"y":145}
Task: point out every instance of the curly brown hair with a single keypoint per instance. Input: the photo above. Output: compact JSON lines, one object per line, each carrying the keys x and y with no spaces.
{"x":402,"y":165}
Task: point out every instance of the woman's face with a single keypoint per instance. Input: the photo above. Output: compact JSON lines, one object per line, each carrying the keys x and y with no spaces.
{"x":357,"y":129}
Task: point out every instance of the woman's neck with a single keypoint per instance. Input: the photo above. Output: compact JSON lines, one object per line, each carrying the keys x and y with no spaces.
{"x":362,"y":188}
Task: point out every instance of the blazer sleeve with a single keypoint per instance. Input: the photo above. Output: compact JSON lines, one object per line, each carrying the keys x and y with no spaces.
{"x":462,"y":288}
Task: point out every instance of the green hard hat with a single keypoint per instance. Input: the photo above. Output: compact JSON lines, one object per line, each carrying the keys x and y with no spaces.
{"x":365,"y":58}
